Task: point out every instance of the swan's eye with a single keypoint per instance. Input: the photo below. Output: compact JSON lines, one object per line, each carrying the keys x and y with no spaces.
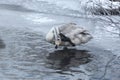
{"x":58,"y":39}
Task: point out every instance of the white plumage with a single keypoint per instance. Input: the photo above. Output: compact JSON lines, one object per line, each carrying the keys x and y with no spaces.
{"x":75,"y":33}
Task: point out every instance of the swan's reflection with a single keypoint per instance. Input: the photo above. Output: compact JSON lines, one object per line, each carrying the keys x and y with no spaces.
{"x":63,"y":59}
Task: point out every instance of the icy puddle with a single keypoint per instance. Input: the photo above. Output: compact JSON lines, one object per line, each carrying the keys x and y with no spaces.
{"x":25,"y":55}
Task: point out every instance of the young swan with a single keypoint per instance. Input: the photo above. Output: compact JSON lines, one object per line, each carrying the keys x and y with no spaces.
{"x":68,"y":35}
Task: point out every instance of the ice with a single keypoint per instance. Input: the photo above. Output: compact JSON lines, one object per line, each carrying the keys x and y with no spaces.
{"x":24,"y":53}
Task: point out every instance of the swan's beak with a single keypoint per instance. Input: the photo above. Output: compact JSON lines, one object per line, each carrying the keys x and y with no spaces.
{"x":57,"y":43}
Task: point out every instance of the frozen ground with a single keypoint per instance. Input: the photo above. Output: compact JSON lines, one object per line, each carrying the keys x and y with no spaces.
{"x":25,"y":55}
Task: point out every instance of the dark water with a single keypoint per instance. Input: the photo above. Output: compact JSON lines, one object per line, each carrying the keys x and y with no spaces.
{"x":2,"y":44}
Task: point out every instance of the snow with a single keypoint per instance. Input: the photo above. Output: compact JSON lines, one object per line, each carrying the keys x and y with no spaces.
{"x":80,"y":6}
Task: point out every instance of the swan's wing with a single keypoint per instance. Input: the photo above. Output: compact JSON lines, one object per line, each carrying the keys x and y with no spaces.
{"x":67,"y":28}
{"x":76,"y":33}
{"x":71,"y":29}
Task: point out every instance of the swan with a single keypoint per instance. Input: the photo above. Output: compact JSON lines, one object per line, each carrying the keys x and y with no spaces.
{"x":69,"y":34}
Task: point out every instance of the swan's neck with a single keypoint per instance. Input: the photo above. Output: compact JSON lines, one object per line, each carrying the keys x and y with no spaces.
{"x":56,"y":33}
{"x":57,"y":36}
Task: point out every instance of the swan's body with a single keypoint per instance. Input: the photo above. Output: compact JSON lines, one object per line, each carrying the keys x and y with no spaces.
{"x":68,"y":35}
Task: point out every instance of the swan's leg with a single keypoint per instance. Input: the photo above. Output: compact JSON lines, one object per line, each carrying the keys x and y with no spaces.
{"x":56,"y":46}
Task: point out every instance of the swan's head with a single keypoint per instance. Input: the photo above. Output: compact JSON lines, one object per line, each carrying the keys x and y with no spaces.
{"x":53,"y":36}
{"x":58,"y":42}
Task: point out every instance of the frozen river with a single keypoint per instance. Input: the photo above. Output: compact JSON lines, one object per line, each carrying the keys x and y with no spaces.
{"x":25,"y":55}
